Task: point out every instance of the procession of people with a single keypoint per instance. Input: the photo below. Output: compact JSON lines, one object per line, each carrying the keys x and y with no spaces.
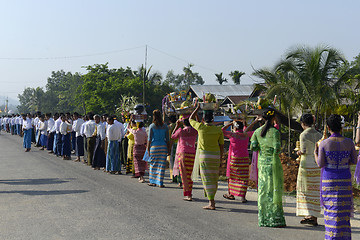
{"x":324,"y":176}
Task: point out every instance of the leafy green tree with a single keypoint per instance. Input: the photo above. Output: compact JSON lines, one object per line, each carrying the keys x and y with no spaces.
{"x":183,"y":81}
{"x":31,"y":100}
{"x":103,"y":89}
{"x":220,"y":79}
{"x":236,"y":75}
{"x":62,"y":95}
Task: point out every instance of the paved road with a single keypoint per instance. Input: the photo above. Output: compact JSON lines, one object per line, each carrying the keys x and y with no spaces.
{"x":44,"y":197}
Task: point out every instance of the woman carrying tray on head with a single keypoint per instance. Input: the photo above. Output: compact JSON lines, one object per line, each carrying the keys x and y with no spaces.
{"x":238,"y":159}
{"x":210,"y":149}
{"x":140,"y":139}
{"x":185,"y":154}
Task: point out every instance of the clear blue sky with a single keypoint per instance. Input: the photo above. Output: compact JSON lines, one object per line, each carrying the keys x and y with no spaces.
{"x":216,"y":36}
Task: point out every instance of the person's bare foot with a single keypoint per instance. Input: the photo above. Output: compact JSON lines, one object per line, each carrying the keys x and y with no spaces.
{"x":243,"y":200}
{"x":209,"y":207}
{"x":187,"y":198}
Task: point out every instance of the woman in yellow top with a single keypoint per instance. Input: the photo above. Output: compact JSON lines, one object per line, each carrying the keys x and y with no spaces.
{"x":131,"y":144}
{"x":210,"y":150}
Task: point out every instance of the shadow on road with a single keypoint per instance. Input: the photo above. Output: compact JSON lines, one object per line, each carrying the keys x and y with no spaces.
{"x":40,"y":193}
{"x":40,"y":181}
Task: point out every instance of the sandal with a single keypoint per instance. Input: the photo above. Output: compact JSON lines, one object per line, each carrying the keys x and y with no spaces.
{"x":151,"y":184}
{"x":310,"y":221}
{"x":228,"y":196}
{"x":161,"y":186}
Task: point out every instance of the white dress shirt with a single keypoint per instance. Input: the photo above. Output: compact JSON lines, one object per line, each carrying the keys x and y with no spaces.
{"x":27,"y":124}
{"x":43,"y":127}
{"x":89,"y":128}
{"x":36,"y":121}
{"x":113,"y":132}
{"x":65,"y":128}
{"x":76,"y":127}
{"x":51,"y":125}
{"x":122,"y":130}
{"x":82,"y":128}
{"x":100,"y":130}
{"x":57,"y":125}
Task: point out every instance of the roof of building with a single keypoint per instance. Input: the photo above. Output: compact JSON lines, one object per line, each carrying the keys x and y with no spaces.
{"x":222,"y":91}
{"x":234,"y":99}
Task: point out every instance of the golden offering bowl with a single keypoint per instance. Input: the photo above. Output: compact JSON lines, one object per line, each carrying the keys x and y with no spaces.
{"x":297,"y":148}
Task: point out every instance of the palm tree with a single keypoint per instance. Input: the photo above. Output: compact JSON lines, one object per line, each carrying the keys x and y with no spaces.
{"x":236,"y":75}
{"x":220,"y":79}
{"x":312,"y":74}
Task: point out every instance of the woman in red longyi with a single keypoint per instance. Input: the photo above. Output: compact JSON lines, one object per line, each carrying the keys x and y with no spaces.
{"x":238,"y":160}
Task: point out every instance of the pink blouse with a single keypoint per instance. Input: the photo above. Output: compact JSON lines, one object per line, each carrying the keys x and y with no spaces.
{"x":140,"y":136}
{"x":187,"y":137}
{"x":238,"y":144}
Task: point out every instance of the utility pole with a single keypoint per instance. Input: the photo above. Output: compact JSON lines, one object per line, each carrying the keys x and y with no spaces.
{"x":6,"y":105}
{"x":144,"y":77}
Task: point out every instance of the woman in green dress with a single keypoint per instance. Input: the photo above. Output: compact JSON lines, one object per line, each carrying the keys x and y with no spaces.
{"x":266,"y":140}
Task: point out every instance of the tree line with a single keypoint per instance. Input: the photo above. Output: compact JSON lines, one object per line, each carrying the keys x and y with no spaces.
{"x":100,"y":90}
{"x":318,"y":80}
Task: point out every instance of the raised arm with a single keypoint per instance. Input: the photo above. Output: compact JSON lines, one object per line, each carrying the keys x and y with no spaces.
{"x":249,"y":128}
{"x":194,"y":113}
{"x":174,"y":135}
{"x":226,"y":126}
{"x":357,"y":138}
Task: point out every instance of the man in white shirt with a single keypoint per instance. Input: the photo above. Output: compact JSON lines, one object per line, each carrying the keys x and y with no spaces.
{"x":27,"y":128}
{"x":43,"y":124}
{"x":123,"y":130}
{"x":58,"y":143}
{"x":99,"y":159}
{"x":17,"y":124}
{"x":65,"y":131}
{"x":69,"y":119}
{"x":50,"y":134}
{"x":36,"y":127}
{"x":79,"y":139}
{"x":13,"y":127}
{"x":89,"y":130}
{"x":21,"y":123}
{"x":113,"y":134}
{"x":86,"y":119}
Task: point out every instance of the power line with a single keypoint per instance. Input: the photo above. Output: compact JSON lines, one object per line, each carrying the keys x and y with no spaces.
{"x":183,"y":60}
{"x":69,"y":57}
{"x":107,"y":53}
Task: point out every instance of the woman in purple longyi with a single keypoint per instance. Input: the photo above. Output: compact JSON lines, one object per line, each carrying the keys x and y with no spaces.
{"x":335,"y":155}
